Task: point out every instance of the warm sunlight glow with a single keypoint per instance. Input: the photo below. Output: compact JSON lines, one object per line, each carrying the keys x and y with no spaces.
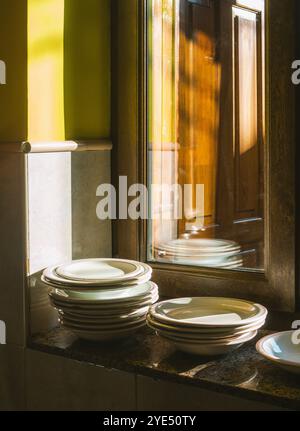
{"x":252,"y":4}
{"x":247,"y":15}
{"x":45,"y":70}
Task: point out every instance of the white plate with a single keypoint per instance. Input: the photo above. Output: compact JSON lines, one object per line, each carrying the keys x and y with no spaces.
{"x":180,"y":254}
{"x":104,"y":310}
{"x":105,"y":318}
{"x":97,"y":270}
{"x":193,"y":334}
{"x":208,"y":312}
{"x":232,"y":263}
{"x":51,"y":277}
{"x":202,"y":246}
{"x":99,"y":323}
{"x":101,"y":327}
{"x":104,"y":335}
{"x":79,"y":286}
{"x":92,"y":297}
{"x":218,"y":341}
{"x":281,"y":350}
{"x":212,"y":349}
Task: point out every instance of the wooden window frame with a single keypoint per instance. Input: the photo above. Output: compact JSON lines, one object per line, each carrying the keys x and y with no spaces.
{"x":276,"y":287}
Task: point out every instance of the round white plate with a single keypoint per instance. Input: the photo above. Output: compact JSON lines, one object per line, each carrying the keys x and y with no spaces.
{"x":105,"y":318}
{"x":99,"y":323}
{"x":104,"y":335}
{"x":97,"y":270}
{"x":200,"y":245}
{"x":92,"y":297}
{"x":282,"y":350}
{"x":101,"y":327}
{"x":192,"y":334}
{"x":217,"y":263}
{"x":208,"y":312}
{"x":104,"y":310}
{"x":79,"y":286}
{"x":211,"y":349}
{"x":221,"y":341}
{"x":51,"y":277}
{"x":188,"y":254}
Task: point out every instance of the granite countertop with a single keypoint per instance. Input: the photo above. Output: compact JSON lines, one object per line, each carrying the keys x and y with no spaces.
{"x":243,"y":373}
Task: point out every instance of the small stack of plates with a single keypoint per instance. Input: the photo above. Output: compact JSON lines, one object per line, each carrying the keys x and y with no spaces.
{"x":101,"y":299}
{"x":207,"y":326}
{"x":201,"y":252}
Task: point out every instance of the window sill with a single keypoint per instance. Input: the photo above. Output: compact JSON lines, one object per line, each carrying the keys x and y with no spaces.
{"x":243,"y":374}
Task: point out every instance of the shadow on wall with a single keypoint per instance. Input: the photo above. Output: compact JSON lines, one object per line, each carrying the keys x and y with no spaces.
{"x":87,"y":58}
{"x":13,"y":51}
{"x":69,"y":69}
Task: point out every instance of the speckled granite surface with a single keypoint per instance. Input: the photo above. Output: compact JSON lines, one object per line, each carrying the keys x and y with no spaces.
{"x":243,"y":373}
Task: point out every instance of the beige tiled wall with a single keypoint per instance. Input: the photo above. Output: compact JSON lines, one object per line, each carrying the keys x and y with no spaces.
{"x":91,"y":237}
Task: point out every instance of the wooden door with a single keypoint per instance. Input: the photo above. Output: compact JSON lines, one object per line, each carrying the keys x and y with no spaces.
{"x":221,"y":113}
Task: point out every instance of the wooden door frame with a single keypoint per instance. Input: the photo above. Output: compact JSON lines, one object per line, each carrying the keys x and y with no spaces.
{"x":277,"y":286}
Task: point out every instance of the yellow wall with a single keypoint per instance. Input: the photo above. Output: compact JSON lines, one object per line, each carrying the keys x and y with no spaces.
{"x":46,"y":70}
{"x":87,"y":58}
{"x":58,"y":69}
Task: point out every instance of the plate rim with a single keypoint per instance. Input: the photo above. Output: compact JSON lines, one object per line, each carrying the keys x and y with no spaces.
{"x":271,"y":358}
{"x":246,"y":329}
{"x":262,"y":311}
{"x":153,"y":290}
{"x":135,"y":264}
{"x":233,"y":342}
{"x":49,"y":275}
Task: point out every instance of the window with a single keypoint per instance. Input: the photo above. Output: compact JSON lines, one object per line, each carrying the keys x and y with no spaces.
{"x":207,"y":132}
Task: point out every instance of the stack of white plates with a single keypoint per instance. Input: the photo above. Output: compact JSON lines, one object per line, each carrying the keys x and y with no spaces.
{"x":207,"y":326}
{"x":101,"y":299}
{"x":42,"y":316}
{"x":201,"y":252}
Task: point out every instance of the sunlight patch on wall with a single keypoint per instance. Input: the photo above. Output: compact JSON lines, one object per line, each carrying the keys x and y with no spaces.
{"x":252,"y":4}
{"x":46,"y":70}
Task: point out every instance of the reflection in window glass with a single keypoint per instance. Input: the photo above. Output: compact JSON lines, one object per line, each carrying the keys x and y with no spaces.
{"x":206,"y":132}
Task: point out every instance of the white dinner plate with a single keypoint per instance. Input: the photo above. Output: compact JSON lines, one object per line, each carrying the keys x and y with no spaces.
{"x":92,"y":297}
{"x":99,"y":322}
{"x":217,"y":263}
{"x":105,"y":309}
{"x":101,"y":327}
{"x":220,"y":341}
{"x":105,"y":318}
{"x":104,"y":335}
{"x":282,"y":350}
{"x":51,"y":277}
{"x":208,"y":312}
{"x":188,"y":254}
{"x":212,"y":349}
{"x":62,"y":284}
{"x":97,"y":270}
{"x":201,"y":246}
{"x":194,"y":334}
